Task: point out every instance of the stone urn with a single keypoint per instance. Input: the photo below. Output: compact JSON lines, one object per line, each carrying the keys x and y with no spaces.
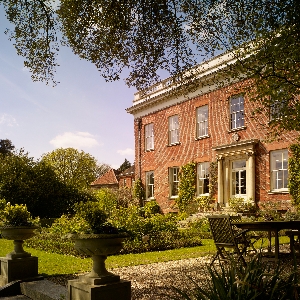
{"x":18,"y":234}
{"x":99,"y":246}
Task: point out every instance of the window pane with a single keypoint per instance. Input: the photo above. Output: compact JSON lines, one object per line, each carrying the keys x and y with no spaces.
{"x":174,"y":181}
{"x":173,"y":130}
{"x":202,"y":121}
{"x":202,"y":178}
{"x":149,"y":184}
{"x":237,"y":112}
{"x":279,"y":169}
{"x":149,"y":136}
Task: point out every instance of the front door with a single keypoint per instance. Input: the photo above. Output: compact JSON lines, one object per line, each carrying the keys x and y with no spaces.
{"x":238,"y":179}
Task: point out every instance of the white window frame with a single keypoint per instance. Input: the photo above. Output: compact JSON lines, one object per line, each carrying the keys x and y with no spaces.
{"x":174,"y":181}
{"x":150,"y":185}
{"x":149,"y":137}
{"x":202,"y":121}
{"x":174,"y":130}
{"x":239,"y":172}
{"x":279,"y":170}
{"x":237,"y":116}
{"x":202,"y":178}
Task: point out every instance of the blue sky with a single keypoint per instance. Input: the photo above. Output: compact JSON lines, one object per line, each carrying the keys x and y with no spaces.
{"x":82,"y":111}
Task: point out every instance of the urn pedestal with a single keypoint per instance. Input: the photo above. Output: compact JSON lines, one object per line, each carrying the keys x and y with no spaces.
{"x":99,"y":283}
{"x":18,"y":264}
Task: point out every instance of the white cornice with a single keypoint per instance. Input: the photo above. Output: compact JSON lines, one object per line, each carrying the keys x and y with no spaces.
{"x":158,"y":97}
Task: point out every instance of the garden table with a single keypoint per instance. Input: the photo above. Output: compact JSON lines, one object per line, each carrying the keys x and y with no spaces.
{"x":270,"y":226}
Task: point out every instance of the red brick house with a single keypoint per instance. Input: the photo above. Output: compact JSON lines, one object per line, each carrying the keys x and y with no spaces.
{"x":126,"y":178}
{"x":211,"y":124}
{"x":115,"y":179}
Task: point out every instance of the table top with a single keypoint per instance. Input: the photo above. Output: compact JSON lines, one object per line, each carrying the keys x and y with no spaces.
{"x":268,"y":225}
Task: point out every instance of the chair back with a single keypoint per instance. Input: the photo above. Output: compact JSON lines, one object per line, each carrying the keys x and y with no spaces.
{"x":221,"y":230}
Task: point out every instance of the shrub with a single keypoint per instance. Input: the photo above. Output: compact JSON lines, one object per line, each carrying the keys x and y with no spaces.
{"x":65,"y":225}
{"x":294,"y":174}
{"x":151,"y":208}
{"x":269,"y":211}
{"x":235,"y":281}
{"x":17,"y":215}
{"x":138,"y":190}
{"x":242,"y":205}
{"x":204,"y":202}
{"x":52,"y":243}
{"x":187,"y":186}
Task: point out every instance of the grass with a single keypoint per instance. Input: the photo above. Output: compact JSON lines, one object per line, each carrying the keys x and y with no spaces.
{"x":54,"y":264}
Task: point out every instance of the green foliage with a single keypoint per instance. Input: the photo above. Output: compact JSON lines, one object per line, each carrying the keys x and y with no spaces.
{"x":6,"y":146}
{"x":124,"y":166}
{"x":172,"y":40}
{"x":65,"y":225}
{"x":52,"y":243}
{"x":17,"y":215}
{"x":203,"y":203}
{"x":151,"y":208}
{"x":107,"y":200}
{"x":257,"y":280}
{"x":34,"y":183}
{"x":187,"y":186}
{"x":138,"y":190}
{"x":294,"y":174}
{"x":110,"y":199}
{"x":269,"y":211}
{"x":74,"y":168}
{"x":239,"y":204}
{"x":95,"y":217}
{"x":161,"y":232}
{"x":2,"y":206}
{"x":213,"y":179}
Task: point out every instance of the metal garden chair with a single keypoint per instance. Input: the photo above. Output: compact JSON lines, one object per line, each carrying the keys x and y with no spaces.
{"x":250,"y":236}
{"x":226,"y":239}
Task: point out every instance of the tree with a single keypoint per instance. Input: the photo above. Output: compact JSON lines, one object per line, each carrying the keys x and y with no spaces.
{"x":6,"y":146}
{"x":152,"y":37}
{"x":124,"y":166}
{"x":75,"y":168}
{"x":34,"y":183}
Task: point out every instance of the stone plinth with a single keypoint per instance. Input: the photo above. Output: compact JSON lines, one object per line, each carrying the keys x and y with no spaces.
{"x":79,"y":290}
{"x":17,"y":269}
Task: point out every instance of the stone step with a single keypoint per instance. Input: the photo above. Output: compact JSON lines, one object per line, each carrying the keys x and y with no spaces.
{"x":43,"y":290}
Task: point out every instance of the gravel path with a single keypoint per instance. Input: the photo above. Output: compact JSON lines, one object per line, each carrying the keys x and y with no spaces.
{"x":154,"y":281}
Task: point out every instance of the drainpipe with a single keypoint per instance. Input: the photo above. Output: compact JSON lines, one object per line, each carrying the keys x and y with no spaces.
{"x":139,"y":120}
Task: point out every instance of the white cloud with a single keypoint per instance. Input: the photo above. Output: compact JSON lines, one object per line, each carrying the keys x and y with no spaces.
{"x":74,"y":140}
{"x":127,"y":151}
{"x":8,"y":120}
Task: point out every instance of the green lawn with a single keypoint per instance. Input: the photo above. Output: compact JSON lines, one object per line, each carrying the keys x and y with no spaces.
{"x":51,"y":263}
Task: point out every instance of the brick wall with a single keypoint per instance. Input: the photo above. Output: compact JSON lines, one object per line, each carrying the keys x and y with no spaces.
{"x":190,"y":149}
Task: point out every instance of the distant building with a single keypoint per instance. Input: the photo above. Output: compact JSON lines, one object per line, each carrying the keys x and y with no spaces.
{"x":126,"y":178}
{"x":114,"y":179}
{"x":211,"y":124}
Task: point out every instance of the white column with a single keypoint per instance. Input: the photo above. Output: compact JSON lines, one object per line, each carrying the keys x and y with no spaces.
{"x":220,"y":181}
{"x":226,"y":188}
{"x":251,"y":181}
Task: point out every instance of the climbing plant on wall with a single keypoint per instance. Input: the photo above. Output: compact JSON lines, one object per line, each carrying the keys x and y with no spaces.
{"x":213,"y":179}
{"x":294,"y":174}
{"x":187,"y":186}
{"x":138,"y":191}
